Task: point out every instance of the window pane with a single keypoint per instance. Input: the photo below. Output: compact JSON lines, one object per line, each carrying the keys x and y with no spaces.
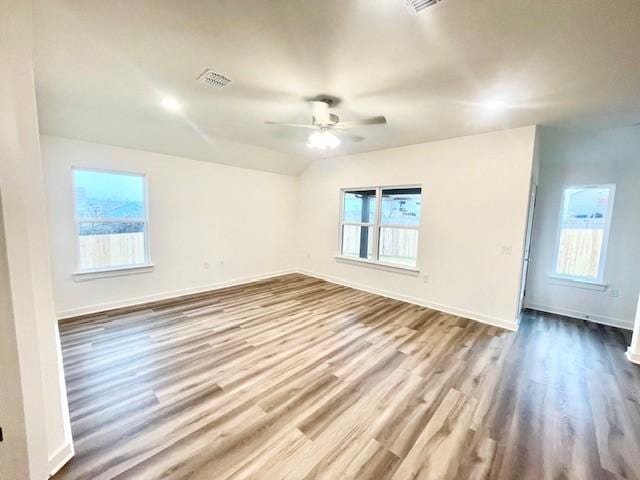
{"x":401,"y":206}
{"x":398,"y":245}
{"x":360,"y":207}
{"x":111,"y":244}
{"x":108,"y":195}
{"x":357,"y":241}
{"x":582,"y":230}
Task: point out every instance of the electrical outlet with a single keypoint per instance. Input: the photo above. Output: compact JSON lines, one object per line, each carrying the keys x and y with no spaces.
{"x":614,"y":292}
{"x":425,"y":278}
{"x":506,"y":250}
{"x":206,"y":265}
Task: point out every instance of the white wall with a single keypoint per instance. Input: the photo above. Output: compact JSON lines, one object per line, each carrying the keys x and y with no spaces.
{"x":198,"y":212}
{"x":475,"y":197}
{"x":575,"y":158}
{"x":47,"y":431}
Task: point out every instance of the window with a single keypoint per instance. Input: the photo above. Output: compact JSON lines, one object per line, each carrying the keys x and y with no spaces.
{"x":585,"y":217}
{"x":381,"y":225}
{"x":111,"y":220}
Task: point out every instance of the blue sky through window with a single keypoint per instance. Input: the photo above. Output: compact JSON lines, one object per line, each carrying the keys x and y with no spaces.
{"x":107,"y":194}
{"x":110,"y":186}
{"x":585,"y":207}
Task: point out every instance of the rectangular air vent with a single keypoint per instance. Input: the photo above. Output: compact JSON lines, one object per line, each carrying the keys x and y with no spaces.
{"x":416,"y":6}
{"x":213,"y":79}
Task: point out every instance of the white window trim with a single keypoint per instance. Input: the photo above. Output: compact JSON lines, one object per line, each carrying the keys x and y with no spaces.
{"x":84,"y":275}
{"x":598,"y":282}
{"x":375,"y":228}
{"x":577,"y":282}
{"x":390,"y":267}
{"x":113,"y":271}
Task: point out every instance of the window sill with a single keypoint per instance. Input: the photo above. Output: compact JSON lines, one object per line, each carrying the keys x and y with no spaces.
{"x":578,"y":283}
{"x":85,"y":275}
{"x":407,"y":270}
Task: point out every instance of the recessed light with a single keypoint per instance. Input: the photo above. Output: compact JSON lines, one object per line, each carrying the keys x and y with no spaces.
{"x":495,"y":104}
{"x":171,"y":104}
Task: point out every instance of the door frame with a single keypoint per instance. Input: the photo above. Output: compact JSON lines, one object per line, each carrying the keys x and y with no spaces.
{"x":531,"y":213}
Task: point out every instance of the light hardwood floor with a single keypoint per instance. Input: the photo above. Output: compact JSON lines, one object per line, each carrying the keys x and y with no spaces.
{"x":298,"y":378}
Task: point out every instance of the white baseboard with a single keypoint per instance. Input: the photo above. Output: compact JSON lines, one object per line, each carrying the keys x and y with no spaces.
{"x":58,"y":459}
{"x":103,"y":307}
{"x":602,"y":319}
{"x":633,"y":356}
{"x":131,"y":302}
{"x":496,"y":322}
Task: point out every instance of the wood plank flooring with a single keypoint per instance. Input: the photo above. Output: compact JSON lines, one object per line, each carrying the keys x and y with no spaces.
{"x":297,"y":378}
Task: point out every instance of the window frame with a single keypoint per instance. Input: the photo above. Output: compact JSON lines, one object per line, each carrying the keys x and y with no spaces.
{"x":91,"y":273}
{"x":599,"y":279}
{"x":375,"y":228}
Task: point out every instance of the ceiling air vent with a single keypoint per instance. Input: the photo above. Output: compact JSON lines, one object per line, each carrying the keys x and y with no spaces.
{"x":416,"y":6}
{"x":213,"y":79}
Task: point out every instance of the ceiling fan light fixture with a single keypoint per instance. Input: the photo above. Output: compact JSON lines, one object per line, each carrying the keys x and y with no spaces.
{"x":323,"y":140}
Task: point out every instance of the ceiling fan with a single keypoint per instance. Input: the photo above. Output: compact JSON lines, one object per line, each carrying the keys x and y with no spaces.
{"x":327,"y":124}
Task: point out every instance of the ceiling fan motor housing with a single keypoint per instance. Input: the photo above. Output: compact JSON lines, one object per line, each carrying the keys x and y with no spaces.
{"x":321,"y":115}
{"x":332,"y":120}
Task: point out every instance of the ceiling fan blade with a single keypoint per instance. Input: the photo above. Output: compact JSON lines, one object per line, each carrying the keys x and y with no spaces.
{"x":295,"y":125}
{"x":362,"y":122}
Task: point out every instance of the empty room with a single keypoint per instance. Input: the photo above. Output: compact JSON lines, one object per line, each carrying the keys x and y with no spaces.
{"x":337,"y":239}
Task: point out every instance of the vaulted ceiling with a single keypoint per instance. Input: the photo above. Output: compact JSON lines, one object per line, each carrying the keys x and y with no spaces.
{"x":457,"y":68}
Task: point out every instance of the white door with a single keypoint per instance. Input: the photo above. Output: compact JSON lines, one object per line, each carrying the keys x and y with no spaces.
{"x":527,"y":243}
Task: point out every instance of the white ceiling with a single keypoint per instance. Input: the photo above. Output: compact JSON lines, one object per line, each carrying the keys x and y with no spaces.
{"x":102,"y":68}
